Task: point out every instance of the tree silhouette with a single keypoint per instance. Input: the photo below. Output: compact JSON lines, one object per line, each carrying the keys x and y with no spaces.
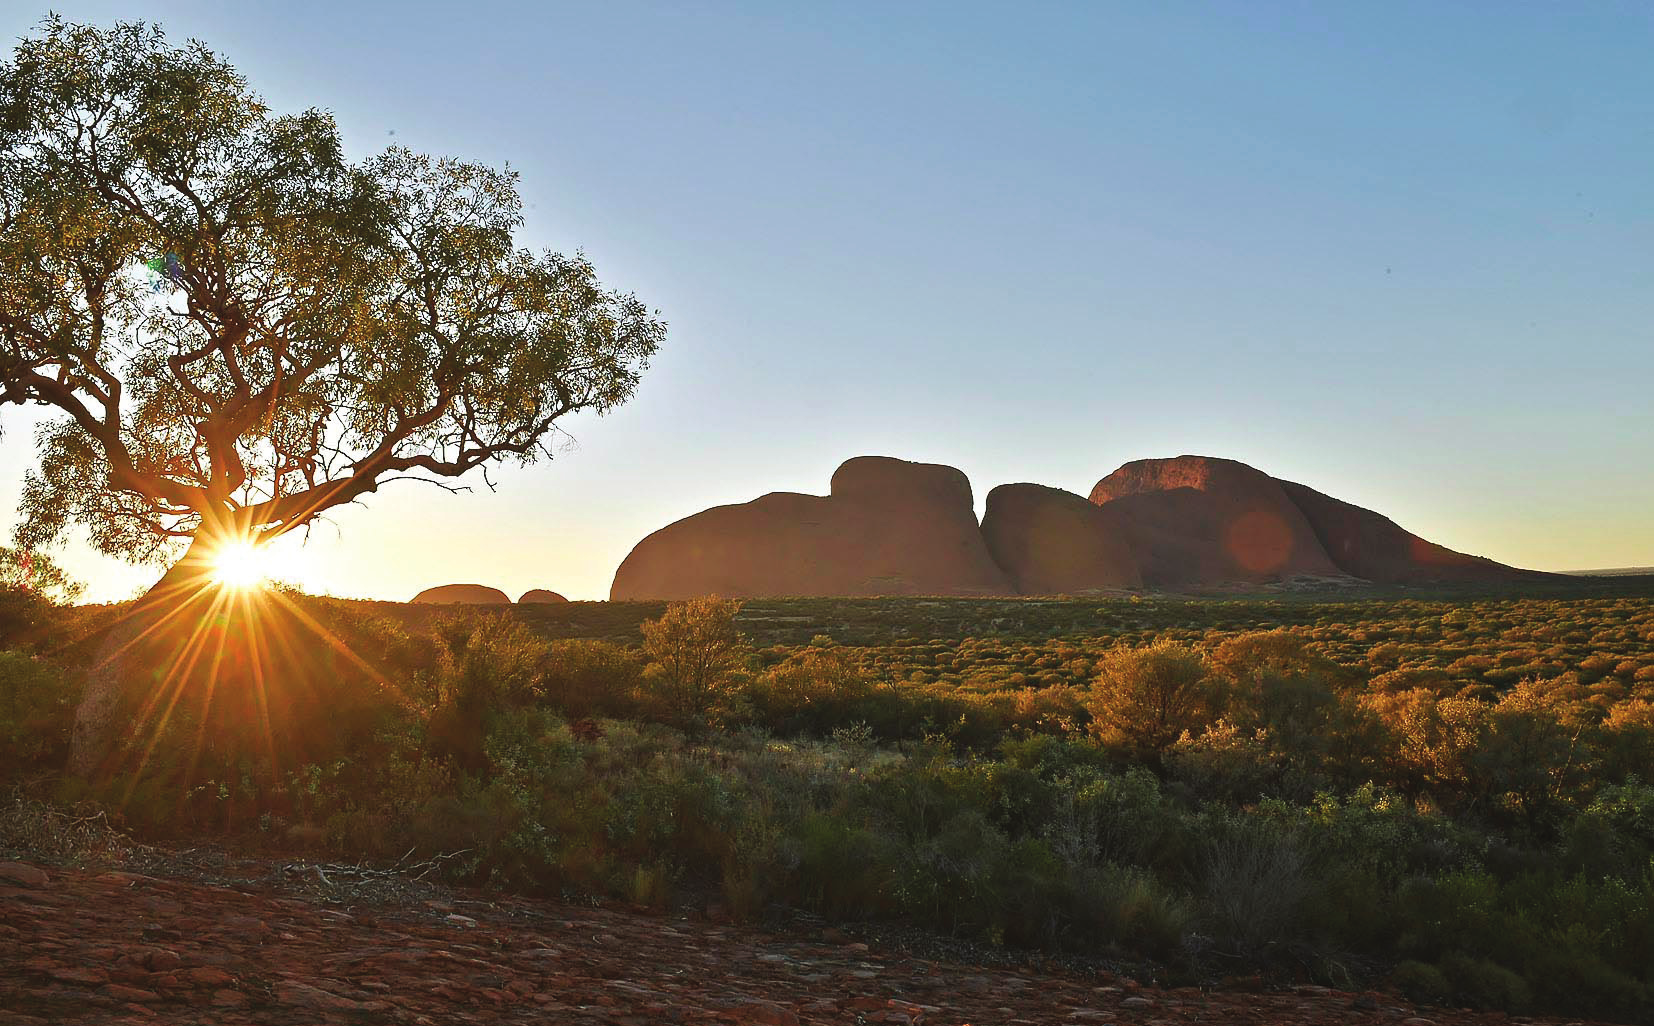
{"x":317,"y":327}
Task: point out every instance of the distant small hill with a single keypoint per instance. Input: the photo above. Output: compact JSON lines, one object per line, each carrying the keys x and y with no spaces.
{"x":1620,"y":571}
{"x":462,"y":595}
{"x":540,"y":596}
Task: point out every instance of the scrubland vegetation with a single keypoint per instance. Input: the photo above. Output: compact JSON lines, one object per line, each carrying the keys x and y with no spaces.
{"x":1454,"y":794}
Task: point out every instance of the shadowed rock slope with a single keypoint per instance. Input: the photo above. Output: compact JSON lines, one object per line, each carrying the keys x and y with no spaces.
{"x":889,"y":527}
{"x":1374,"y":547}
{"x":1053,"y":542}
{"x":1195,"y":521}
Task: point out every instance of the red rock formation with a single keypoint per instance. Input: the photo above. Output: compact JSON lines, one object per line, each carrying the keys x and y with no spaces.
{"x":1196,"y":521}
{"x":1053,"y":542}
{"x":889,"y":527}
{"x":1372,"y":546}
{"x":540,"y":596}
{"x":463,"y":594}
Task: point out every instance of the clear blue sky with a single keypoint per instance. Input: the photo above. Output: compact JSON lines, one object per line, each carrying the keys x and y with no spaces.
{"x":1401,"y":252}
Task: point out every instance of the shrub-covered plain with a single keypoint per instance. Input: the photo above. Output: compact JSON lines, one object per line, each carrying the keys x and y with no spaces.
{"x":1454,"y":792}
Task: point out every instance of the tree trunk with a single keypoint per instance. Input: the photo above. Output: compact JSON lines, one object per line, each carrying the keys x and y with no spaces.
{"x":96,"y":728}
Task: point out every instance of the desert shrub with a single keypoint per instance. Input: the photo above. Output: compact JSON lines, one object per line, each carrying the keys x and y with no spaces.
{"x":1568,"y":978}
{"x":1422,"y":983}
{"x":696,"y":655}
{"x":1225,"y":763}
{"x":1255,"y":881}
{"x":1485,"y":984}
{"x":1524,"y":756}
{"x":1380,"y":831}
{"x":844,"y":869}
{"x":1135,"y":823}
{"x":486,"y":663}
{"x":1614,"y":834}
{"x":1431,"y":738}
{"x":37,"y":713}
{"x":814,"y":690}
{"x":591,"y":678}
{"x":33,"y":592}
{"x":1145,"y":698}
{"x":25,"y":616}
{"x":1132,"y":909}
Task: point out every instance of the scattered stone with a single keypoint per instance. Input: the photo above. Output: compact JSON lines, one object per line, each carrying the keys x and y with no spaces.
{"x":160,"y":960}
{"x":303,"y":995}
{"x":90,"y":956}
{"x":121,"y":992}
{"x":765,"y":1013}
{"x":206,"y":976}
{"x":22,"y":874}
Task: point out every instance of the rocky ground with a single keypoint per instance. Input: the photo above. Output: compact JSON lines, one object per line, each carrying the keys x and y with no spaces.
{"x":87,"y":946}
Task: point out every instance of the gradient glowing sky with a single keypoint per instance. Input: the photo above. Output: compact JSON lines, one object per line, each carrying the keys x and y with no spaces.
{"x":1401,"y":252}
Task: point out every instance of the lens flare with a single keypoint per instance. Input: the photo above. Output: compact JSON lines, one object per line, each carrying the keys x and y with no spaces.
{"x":240,"y":566}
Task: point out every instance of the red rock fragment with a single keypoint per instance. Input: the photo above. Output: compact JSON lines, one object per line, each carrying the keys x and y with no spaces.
{"x":22,"y":874}
{"x":160,"y":960}
{"x":206,"y":976}
{"x":121,"y":992}
{"x":303,"y":995}
{"x":765,"y":1013}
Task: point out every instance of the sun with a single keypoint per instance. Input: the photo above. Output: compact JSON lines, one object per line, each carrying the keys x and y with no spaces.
{"x":241,"y":566}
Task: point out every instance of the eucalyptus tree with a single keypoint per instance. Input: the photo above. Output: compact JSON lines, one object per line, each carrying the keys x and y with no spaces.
{"x":241,"y":328}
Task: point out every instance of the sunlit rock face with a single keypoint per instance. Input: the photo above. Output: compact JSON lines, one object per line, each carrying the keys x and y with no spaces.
{"x":540,"y":596}
{"x":1053,"y":542}
{"x":1372,"y":546}
{"x":889,"y":527}
{"x":463,"y":594}
{"x":1196,"y":521}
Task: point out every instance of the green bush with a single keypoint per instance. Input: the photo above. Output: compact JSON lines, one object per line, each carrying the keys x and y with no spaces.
{"x":1422,"y":983}
{"x":592,"y":678}
{"x":37,"y":714}
{"x":1144,"y":699}
{"x":1484,"y":984}
{"x":697,"y":656}
{"x":1255,"y":883}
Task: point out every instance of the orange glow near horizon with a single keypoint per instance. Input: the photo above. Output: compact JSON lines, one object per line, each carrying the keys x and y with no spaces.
{"x":218,"y":656}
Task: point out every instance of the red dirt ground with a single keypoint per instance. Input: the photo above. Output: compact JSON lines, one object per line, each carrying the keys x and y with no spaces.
{"x":113,"y":947}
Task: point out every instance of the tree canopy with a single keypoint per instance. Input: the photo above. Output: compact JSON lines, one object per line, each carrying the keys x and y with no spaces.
{"x":241,"y":326}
